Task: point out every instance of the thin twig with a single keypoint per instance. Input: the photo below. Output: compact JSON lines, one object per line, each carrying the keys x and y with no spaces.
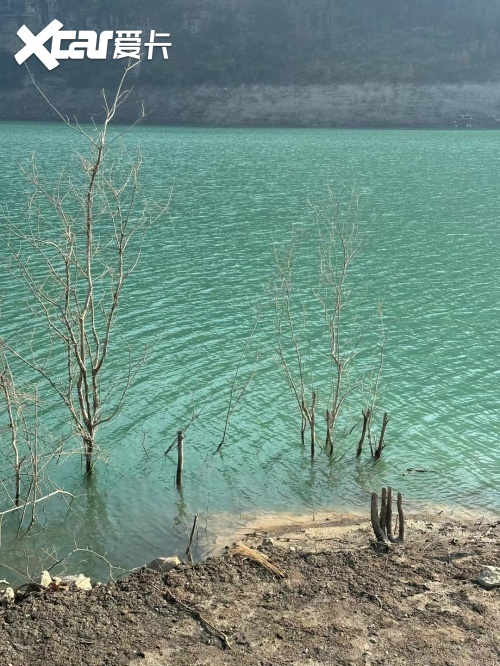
{"x":199,"y":618}
{"x":39,"y":499}
{"x":195,"y":521}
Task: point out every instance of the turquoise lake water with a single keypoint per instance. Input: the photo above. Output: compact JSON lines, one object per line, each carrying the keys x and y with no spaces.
{"x":429,"y":214}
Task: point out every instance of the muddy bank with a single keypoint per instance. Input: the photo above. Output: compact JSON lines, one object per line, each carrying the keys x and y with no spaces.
{"x":348,"y":105}
{"x":343,"y":600}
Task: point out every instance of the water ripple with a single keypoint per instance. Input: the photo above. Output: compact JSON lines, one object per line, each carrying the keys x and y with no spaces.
{"x":429,"y":210}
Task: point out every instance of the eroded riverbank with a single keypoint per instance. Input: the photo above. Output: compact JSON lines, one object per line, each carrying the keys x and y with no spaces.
{"x":343,"y":600}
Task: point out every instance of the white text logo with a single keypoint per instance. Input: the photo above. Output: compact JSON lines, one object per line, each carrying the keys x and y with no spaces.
{"x":87,"y":43}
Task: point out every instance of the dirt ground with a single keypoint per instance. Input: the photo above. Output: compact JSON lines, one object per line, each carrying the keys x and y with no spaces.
{"x":343,"y":601}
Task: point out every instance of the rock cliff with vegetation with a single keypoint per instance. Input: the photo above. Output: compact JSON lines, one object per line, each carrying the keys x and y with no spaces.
{"x":285,"y":62}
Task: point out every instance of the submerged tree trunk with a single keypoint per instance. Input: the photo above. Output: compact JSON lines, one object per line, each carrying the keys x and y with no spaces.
{"x":180,"y":458}
{"x":88,"y":447}
{"x":329,"y":440}
{"x":380,"y":447}
{"x":366,"y":421}
{"x":313,"y":435}
{"x":312,"y":422}
{"x":303,"y":424}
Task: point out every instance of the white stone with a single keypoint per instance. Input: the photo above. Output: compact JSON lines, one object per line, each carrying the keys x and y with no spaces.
{"x":79,"y":582}
{"x":44,"y":579}
{"x":83,"y":583}
{"x":7,"y":595}
{"x":489,"y":577}
{"x":164,"y":564}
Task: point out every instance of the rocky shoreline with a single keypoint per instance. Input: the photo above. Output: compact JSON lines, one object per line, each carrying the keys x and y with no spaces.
{"x":331,"y":596}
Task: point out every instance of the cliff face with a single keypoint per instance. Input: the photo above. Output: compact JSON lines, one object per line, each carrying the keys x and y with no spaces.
{"x":230,"y":42}
{"x":13,"y":13}
{"x":222,"y":50}
{"x":369,"y":105}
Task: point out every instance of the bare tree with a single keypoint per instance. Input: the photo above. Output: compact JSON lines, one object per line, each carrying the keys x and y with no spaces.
{"x":82,"y":242}
{"x":238,"y":391}
{"x":323,"y":310}
{"x":339,"y":244}
{"x":310,"y":312}
{"x":24,"y":481}
{"x":290,"y":355}
{"x":13,"y":409}
{"x":373,"y":395}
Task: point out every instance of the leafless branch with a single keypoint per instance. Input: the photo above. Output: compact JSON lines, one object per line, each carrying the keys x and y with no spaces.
{"x":235,"y":396}
{"x":82,"y":241}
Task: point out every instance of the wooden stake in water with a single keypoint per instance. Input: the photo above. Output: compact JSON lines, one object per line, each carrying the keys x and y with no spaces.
{"x":180,"y":457}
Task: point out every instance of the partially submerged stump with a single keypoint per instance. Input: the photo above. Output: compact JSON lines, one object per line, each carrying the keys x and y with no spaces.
{"x":382,"y":524}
